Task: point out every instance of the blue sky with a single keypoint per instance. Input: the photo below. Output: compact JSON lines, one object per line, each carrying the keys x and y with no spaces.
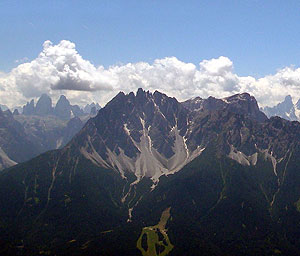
{"x":183,"y":48}
{"x":258,"y":36}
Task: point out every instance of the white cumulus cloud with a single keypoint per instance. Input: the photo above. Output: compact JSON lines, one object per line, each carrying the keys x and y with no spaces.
{"x":60,"y":69}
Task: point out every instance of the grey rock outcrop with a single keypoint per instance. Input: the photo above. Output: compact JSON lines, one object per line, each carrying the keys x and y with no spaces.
{"x":28,"y":109}
{"x":44,"y":106}
{"x":63,"y":108}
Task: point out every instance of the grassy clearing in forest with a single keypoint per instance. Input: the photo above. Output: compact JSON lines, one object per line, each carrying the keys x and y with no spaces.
{"x":157,"y":240}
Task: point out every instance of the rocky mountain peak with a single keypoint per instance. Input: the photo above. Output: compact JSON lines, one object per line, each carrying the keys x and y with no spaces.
{"x":140,"y":93}
{"x":242,"y":103}
{"x":288,"y":98}
{"x":287,"y":104}
{"x":194,"y":103}
{"x":285,"y":109}
{"x":139,"y":133}
{"x":28,"y":109}
{"x":16,"y":112}
{"x":151,"y":134}
{"x":63,"y":108}
{"x":88,"y":108}
{"x":44,"y":105}
{"x":240,"y":97}
{"x":63,"y":98}
{"x":245,"y":104}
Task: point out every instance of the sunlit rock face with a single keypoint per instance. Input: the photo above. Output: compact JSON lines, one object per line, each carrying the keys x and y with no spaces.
{"x":150,"y":134}
{"x":145,"y":134}
{"x":286,"y":109}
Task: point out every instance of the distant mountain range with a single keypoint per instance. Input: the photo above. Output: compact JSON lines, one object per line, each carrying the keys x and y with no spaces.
{"x":24,"y":137}
{"x":63,"y":109}
{"x":149,"y":175}
{"x":15,"y":146}
{"x":40,"y":128}
{"x":286,"y":109}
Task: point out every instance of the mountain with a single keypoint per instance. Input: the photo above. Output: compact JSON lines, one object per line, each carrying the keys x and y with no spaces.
{"x":49,"y":132}
{"x":152,"y":176}
{"x":14,"y":146}
{"x":76,"y":111}
{"x":63,"y":109}
{"x":16,"y":112}
{"x":28,"y":109}
{"x":239,"y":103}
{"x":286,"y":109}
{"x":38,"y":130}
{"x":88,"y":107}
{"x":44,"y":106}
{"x":3,"y":107}
{"x":23,"y":137}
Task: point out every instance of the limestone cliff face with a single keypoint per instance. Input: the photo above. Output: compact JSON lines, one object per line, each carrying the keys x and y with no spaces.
{"x":44,"y":106}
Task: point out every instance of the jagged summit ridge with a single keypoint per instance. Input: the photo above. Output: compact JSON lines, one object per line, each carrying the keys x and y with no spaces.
{"x":62,"y":109}
{"x":286,"y":109}
{"x":151,"y":134}
{"x":147,"y":135}
{"x":242,"y":103}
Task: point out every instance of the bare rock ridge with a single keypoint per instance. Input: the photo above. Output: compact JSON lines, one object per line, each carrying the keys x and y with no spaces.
{"x":141,"y":133}
{"x":239,"y":103}
{"x":151,"y":134}
{"x":63,"y":109}
{"x":286,"y":109}
{"x":28,"y":109}
{"x":39,"y":128}
{"x":89,"y":108}
{"x":44,"y":106}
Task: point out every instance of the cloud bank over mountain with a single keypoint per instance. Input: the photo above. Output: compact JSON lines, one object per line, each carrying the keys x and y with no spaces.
{"x":60,"y":69}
